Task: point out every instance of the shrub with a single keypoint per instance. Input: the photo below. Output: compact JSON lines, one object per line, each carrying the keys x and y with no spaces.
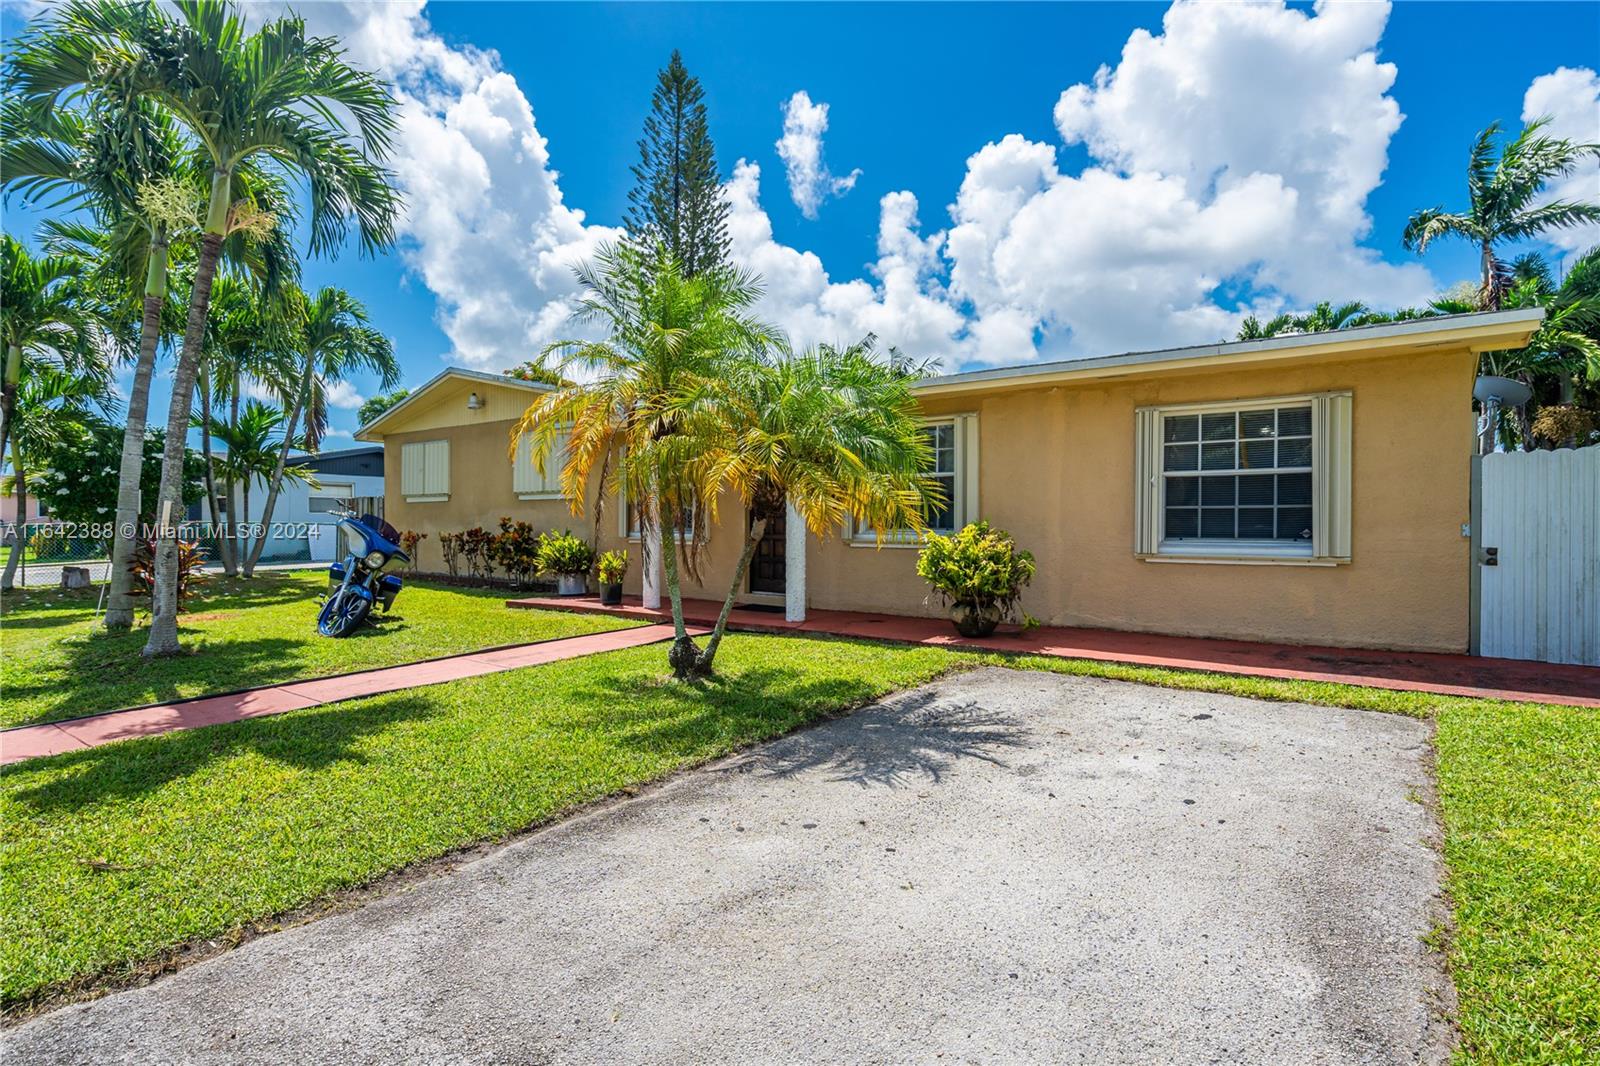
{"x":1564,"y":425}
{"x":191,"y":572}
{"x":613,"y":567}
{"x":450,"y":545}
{"x":408,"y":544}
{"x":516,"y":550}
{"x":563,"y":553}
{"x":477,"y":544}
{"x":979,"y":567}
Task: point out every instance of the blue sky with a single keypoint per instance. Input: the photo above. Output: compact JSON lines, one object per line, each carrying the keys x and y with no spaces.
{"x":1234,"y":159}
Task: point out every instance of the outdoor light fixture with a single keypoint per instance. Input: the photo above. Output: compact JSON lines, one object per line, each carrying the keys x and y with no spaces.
{"x":473,"y":403}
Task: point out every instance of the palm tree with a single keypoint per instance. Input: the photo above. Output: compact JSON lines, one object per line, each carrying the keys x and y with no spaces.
{"x":332,"y":339}
{"x":1503,"y":202}
{"x":123,"y":157}
{"x":246,"y":340}
{"x":833,"y":433}
{"x":1566,"y":346}
{"x":273,"y":93}
{"x":130,"y":168}
{"x":658,"y":392}
{"x":1323,"y":317}
{"x":48,"y":321}
{"x":47,"y":402}
{"x":256,"y":446}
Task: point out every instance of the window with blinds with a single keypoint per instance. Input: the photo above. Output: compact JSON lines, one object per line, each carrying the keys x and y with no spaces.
{"x":1267,"y":479}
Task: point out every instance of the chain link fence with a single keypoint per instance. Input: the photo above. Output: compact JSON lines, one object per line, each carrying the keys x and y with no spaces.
{"x":46,"y":547}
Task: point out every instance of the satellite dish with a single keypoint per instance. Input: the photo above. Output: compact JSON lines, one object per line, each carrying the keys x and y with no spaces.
{"x":1507,"y":392}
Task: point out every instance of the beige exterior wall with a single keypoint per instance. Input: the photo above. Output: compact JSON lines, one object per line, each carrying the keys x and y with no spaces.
{"x":480,"y":489}
{"x":1056,"y":469}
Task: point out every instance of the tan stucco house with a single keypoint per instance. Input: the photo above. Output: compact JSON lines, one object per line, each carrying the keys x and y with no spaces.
{"x":1304,"y":489}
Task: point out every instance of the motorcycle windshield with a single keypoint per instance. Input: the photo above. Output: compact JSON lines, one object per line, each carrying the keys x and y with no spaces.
{"x":371,"y":540}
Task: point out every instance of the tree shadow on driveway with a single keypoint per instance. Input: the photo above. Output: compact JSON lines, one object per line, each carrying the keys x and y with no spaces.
{"x":914,"y":739}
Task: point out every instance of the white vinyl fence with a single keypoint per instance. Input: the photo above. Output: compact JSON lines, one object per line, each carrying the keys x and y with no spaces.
{"x":1537,"y":555}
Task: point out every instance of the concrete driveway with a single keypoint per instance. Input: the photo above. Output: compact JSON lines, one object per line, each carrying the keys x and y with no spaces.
{"x":1005,"y":866}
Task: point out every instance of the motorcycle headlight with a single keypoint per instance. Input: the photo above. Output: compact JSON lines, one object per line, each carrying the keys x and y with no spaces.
{"x":375,"y":560}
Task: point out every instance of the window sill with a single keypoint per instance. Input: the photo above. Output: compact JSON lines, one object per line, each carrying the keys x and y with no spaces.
{"x":540,"y":496}
{"x":428,"y":499}
{"x":917,"y":543}
{"x":1214,"y":559}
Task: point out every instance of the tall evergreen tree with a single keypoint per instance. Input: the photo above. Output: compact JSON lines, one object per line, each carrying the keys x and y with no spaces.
{"x":678,"y":198}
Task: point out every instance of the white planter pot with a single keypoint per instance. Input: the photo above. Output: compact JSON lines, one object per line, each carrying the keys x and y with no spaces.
{"x":572,"y":584}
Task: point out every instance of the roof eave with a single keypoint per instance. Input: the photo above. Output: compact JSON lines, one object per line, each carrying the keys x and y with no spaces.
{"x":367,"y":432}
{"x":1478,"y":333}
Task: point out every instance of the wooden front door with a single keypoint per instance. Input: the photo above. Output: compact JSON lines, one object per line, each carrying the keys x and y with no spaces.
{"x":766,"y":566}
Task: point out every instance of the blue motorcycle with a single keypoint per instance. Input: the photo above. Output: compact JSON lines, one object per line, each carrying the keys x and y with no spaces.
{"x":363,"y":580}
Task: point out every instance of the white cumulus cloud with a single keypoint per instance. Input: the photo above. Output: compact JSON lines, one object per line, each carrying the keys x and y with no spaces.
{"x":487,"y":227}
{"x":800,"y":148}
{"x":343,"y":394}
{"x":1233,"y":151}
{"x":902,"y":302}
{"x":1570,"y":98}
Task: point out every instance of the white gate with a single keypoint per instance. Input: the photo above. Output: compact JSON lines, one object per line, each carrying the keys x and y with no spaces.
{"x":1536,"y":541}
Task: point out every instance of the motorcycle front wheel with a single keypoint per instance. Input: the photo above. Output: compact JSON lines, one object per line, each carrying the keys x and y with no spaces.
{"x":345,"y":610}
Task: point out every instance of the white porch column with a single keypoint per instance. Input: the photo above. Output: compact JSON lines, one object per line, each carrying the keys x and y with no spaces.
{"x":794,"y":565}
{"x":650,"y":553}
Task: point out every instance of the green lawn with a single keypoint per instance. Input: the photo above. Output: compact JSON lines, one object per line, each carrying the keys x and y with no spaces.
{"x":58,"y":664}
{"x":113,"y":855}
{"x":1520,"y":788}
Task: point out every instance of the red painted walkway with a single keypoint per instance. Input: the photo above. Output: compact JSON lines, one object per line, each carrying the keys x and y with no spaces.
{"x":1451,"y":675}
{"x":33,"y":741}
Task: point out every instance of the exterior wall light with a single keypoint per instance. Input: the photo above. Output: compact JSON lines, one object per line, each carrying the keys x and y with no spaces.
{"x":473,"y":402}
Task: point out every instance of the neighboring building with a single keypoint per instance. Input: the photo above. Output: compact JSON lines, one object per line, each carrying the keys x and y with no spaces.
{"x":304,"y":524}
{"x":1307,"y":489}
{"x":8,"y":508}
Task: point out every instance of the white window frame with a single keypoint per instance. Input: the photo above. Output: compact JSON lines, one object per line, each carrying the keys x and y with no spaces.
{"x":526,"y":481}
{"x":1331,"y":463}
{"x":632,"y":533}
{"x":425,"y":471}
{"x":964,"y":503}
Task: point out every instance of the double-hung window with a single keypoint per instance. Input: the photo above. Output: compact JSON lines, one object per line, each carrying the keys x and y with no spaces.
{"x":953,"y":468}
{"x":1266,"y":479}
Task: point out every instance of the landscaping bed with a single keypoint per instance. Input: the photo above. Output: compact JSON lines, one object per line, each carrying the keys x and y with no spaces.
{"x":239,"y":634}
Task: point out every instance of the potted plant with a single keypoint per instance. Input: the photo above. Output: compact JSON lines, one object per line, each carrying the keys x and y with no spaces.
{"x":568,"y":558}
{"x":612,"y":568}
{"x":979,"y":572}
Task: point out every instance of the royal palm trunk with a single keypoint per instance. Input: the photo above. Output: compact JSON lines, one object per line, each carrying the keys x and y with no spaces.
{"x":8,"y":393}
{"x":21,"y":545}
{"x":169,"y":502}
{"x":119,"y":612}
